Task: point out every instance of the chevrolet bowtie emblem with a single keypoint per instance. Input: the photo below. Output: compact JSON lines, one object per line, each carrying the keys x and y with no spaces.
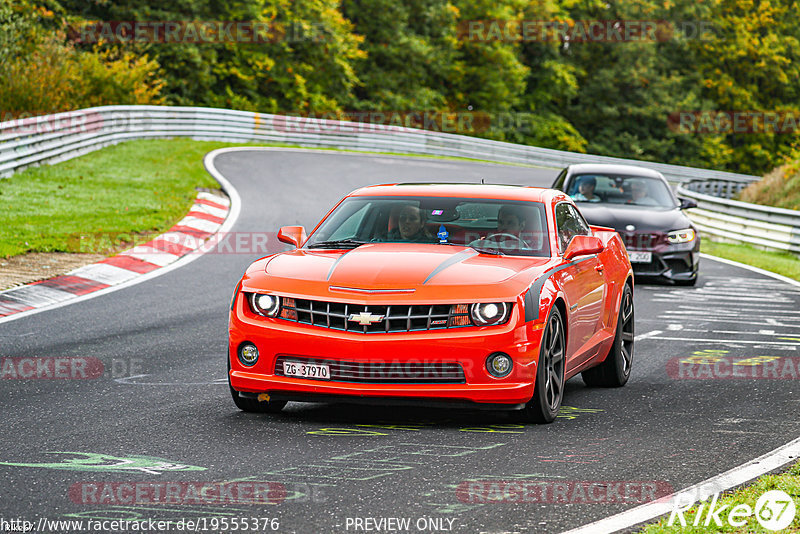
{"x":365,"y":318}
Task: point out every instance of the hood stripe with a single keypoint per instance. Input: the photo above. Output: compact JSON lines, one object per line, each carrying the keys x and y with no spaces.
{"x":455,"y":258}
{"x":335,"y":263}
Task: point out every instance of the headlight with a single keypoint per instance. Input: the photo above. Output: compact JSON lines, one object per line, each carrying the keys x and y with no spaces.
{"x":267,"y":305}
{"x":488,"y":313}
{"x":680,"y":236}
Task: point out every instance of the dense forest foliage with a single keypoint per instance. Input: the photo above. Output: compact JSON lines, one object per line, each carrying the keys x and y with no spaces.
{"x":711,"y":84}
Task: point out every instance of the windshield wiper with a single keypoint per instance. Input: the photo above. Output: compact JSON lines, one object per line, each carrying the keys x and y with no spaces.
{"x":492,"y":251}
{"x":340,"y":243}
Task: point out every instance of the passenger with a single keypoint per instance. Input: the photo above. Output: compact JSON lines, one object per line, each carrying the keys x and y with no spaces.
{"x":639,"y":194}
{"x":585,"y":192}
{"x":411,"y":226}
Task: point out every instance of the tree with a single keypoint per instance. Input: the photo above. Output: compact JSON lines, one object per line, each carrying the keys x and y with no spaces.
{"x":410,"y":57}
{"x":301,"y":59}
{"x":751,"y":63}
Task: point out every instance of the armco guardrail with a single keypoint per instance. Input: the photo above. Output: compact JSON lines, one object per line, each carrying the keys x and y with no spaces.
{"x":741,"y":222}
{"x":62,"y":136}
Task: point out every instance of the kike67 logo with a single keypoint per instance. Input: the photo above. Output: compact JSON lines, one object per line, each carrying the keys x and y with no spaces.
{"x":774,"y":510}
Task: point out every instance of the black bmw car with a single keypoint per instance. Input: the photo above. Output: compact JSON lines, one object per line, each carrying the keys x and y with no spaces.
{"x":641,"y":206}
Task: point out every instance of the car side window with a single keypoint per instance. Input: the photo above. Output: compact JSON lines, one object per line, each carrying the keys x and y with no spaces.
{"x":580,"y":221}
{"x":569,"y":223}
{"x":559,"y":183}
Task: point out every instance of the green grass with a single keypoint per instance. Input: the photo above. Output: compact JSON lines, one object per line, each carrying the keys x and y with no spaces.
{"x":117,"y":195}
{"x":789,"y":482}
{"x":136,"y":187}
{"x":778,"y":262}
{"x":780,"y":188}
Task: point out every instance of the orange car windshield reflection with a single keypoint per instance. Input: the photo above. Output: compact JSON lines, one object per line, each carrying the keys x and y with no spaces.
{"x":502,"y":227}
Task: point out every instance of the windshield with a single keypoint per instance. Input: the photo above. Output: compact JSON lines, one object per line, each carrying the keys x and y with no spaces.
{"x":495,"y":226}
{"x":620,"y":189}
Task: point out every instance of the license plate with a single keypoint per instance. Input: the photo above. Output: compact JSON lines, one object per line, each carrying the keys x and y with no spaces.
{"x":306,"y":370}
{"x":640,"y":257}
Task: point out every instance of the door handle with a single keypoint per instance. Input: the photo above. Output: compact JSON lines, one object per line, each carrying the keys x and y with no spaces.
{"x":598,"y":268}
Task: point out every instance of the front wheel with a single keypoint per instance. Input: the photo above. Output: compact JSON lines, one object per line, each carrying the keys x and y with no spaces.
{"x":616,"y":369}
{"x":549,"y":389}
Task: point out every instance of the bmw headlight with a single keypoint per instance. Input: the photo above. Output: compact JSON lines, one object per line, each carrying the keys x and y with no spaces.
{"x":266,"y":305}
{"x":681,"y":236}
{"x":489,"y":313}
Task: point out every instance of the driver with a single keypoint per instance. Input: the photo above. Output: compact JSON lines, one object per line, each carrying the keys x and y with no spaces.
{"x":510,"y":220}
{"x":510,"y":224}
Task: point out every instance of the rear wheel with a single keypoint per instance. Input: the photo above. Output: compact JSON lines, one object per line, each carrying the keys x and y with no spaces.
{"x":251,"y":405}
{"x":549,"y":389}
{"x":616,"y":369}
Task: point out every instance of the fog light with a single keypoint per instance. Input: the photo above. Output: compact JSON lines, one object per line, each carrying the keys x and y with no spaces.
{"x":499,"y":364}
{"x":248,"y":354}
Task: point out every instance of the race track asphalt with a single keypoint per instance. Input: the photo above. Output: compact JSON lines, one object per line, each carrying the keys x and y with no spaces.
{"x":162,"y":394}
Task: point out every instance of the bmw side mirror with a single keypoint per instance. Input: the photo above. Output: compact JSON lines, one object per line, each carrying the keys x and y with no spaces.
{"x":687,"y":203}
{"x":292,"y":235}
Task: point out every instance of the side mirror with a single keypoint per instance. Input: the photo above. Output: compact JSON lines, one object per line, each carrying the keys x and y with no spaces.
{"x":687,"y":203}
{"x":292,"y":235}
{"x":583,"y":245}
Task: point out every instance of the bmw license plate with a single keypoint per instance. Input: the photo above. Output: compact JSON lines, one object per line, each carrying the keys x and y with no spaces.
{"x":306,"y":370}
{"x":640,"y":257}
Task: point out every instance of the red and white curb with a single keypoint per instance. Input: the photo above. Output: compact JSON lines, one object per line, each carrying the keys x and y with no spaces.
{"x":203,"y":220}
{"x":183,"y":243}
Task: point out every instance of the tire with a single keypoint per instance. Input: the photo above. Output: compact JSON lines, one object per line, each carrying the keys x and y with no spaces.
{"x":549,"y":389}
{"x":253,"y":405}
{"x":616,"y":369}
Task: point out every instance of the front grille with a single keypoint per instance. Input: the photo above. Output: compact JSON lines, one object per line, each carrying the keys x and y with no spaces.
{"x":395,"y":318}
{"x":641,"y":241}
{"x":382,"y":372}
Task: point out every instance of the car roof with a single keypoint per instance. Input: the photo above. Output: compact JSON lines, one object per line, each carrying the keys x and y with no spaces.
{"x":613,"y":169}
{"x":497,"y":192}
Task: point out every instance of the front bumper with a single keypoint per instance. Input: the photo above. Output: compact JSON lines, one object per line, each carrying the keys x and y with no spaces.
{"x":468,"y":347}
{"x":671,"y":262}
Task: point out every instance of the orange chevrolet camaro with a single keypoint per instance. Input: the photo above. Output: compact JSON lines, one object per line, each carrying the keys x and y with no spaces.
{"x":477,"y":296}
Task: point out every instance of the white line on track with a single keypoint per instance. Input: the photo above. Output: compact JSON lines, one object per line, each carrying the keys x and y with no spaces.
{"x":725,"y":341}
{"x":737,"y":476}
{"x":782,"y":278}
{"x":730,"y":311}
{"x":772,"y":297}
{"x":233,"y":215}
{"x":647,"y":335}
